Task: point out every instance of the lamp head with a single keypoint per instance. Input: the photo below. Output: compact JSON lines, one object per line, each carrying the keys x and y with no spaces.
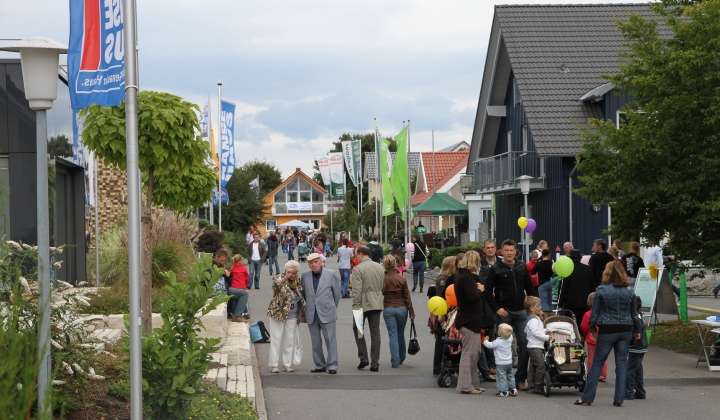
{"x":40,"y":58}
{"x":525,"y":183}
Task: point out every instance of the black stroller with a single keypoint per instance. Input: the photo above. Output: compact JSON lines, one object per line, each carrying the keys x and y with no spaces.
{"x":565,"y":355}
{"x":450,"y":366}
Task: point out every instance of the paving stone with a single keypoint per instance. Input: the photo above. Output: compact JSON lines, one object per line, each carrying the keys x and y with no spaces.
{"x":231,"y":386}
{"x":222,"y":378}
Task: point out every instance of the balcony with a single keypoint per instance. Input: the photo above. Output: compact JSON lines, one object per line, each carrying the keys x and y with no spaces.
{"x":499,"y":173}
{"x":281,"y":209}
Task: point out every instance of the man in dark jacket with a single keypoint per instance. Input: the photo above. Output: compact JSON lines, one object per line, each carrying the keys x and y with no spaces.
{"x":507,"y":284}
{"x":576,"y":287}
{"x":599,"y":260}
{"x":395,"y":243}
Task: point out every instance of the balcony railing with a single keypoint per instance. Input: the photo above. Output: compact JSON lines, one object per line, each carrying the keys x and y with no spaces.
{"x":500,"y":172}
{"x":307,"y":208}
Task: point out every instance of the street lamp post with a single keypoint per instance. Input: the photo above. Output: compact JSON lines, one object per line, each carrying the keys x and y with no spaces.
{"x":40,"y":58}
{"x":525,"y":189}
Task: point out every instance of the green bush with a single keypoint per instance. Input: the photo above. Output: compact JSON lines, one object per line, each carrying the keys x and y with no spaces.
{"x":235,"y":243}
{"x":437,"y":255}
{"x":119,"y":388}
{"x":210,"y":241}
{"x":116,"y":300}
{"x":215,"y":404}
{"x":174,"y":357}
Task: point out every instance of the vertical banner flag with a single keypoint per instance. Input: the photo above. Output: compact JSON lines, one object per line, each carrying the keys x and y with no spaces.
{"x":349,"y":156}
{"x":96,"y":54}
{"x":225,"y":197}
{"x":399,"y":173}
{"x":77,"y":148}
{"x":227,"y":141}
{"x":337,"y":176}
{"x":324,"y":168}
{"x":387,"y":199}
{"x":255,"y":186}
{"x":357,"y":159}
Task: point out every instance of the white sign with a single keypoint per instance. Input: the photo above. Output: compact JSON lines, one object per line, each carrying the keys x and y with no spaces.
{"x":299,"y":206}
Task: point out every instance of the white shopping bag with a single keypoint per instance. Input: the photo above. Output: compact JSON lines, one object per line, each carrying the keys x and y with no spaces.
{"x":359,"y":321}
{"x":298,"y":353}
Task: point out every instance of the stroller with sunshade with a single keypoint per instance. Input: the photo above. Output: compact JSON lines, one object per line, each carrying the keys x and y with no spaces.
{"x":564,"y":355}
{"x":303,"y":251}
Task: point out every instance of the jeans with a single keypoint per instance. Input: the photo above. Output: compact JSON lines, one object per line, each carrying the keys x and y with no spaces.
{"x":438,"y":354}
{"x":255,"y":267}
{"x":517,"y":321}
{"x":271,"y":259}
{"x":242,"y":299}
{"x":291,"y":250}
{"x":635,"y":384}
{"x":419,"y":270}
{"x":545,"y":292}
{"x":505,"y":380}
{"x":620,"y":342}
{"x":344,"y":281}
{"x":395,"y":320}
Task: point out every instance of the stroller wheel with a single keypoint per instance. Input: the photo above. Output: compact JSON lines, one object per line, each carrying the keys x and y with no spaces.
{"x":444,"y":380}
{"x":548,"y":384}
{"x":581,"y":388}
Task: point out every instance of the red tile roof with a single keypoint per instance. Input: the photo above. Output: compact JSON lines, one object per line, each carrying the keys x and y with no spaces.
{"x":447,"y":165}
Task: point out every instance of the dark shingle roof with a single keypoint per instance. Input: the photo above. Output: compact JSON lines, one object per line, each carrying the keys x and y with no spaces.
{"x":371,"y":171}
{"x":455,"y":147}
{"x":557,"y":54}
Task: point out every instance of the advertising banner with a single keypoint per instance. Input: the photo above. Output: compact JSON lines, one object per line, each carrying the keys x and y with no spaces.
{"x":77,"y":148}
{"x":337,"y":176}
{"x":225,"y":197}
{"x":96,"y":54}
{"x":299,"y":206}
{"x":324,"y":168}
{"x":227,"y":141}
{"x":351,"y":154}
{"x":388,"y":206}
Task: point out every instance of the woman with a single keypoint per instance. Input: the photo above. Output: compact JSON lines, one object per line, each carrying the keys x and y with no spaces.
{"x":286,"y":310}
{"x":238,"y":290}
{"x":615,"y":252}
{"x":448,"y":269}
{"x":468,"y":321}
{"x":613,"y":312}
{"x":544,"y":270}
{"x":533,"y":260}
{"x":290,"y":244}
{"x":419,"y":261}
{"x":397,"y":305}
{"x":272,"y":252}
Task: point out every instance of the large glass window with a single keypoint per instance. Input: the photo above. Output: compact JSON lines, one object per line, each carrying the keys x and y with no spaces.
{"x":305,"y":196}
{"x":300,"y":196}
{"x":292,"y":185}
{"x":317,"y":196}
{"x":292,"y":197}
{"x":280,"y":196}
{"x":304,"y":185}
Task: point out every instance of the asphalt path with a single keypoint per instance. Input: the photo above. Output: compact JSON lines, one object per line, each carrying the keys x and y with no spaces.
{"x":676,"y":389}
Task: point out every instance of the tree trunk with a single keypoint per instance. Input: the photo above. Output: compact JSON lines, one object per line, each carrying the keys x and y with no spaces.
{"x":146,"y":296}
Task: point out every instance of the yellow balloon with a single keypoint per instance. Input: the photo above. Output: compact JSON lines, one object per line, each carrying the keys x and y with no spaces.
{"x":522,"y":223}
{"x":437,"y":306}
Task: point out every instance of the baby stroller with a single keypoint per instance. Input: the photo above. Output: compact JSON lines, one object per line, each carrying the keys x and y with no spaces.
{"x":564,"y":355}
{"x":450,"y":366}
{"x":303,"y":251}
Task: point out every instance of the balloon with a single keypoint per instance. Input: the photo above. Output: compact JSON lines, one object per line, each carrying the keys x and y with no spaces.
{"x":437,"y":306}
{"x":407,"y":262}
{"x":410,"y":247}
{"x":564,"y":267}
{"x":450,"y":295}
{"x":522,"y":223}
{"x":531,"y":225}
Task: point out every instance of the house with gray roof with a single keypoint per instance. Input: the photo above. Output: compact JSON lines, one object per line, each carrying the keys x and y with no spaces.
{"x":542,"y":76}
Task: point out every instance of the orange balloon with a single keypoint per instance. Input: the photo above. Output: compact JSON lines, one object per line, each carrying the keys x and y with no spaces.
{"x":450,"y":295}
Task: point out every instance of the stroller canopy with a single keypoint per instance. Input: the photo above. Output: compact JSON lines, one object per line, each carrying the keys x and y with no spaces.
{"x":295,"y":223}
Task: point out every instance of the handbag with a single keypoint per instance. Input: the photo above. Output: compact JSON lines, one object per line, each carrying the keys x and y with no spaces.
{"x":413,"y":345}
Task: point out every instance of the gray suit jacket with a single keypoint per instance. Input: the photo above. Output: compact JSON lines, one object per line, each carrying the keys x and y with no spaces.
{"x":325,"y":300}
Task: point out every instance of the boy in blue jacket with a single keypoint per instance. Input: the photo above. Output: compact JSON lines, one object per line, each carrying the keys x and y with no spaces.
{"x":635,"y":388}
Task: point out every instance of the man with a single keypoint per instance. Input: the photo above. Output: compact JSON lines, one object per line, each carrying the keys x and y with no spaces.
{"x":368,"y":279}
{"x":507,"y":284}
{"x":256,"y":254}
{"x":395,"y":243}
{"x":618,"y":244}
{"x":576,"y":287}
{"x":345,"y":256}
{"x":321,"y":287}
{"x":599,"y":260}
{"x":219,"y":260}
{"x":633,"y":263}
{"x":654,"y":255}
{"x":490,"y":258}
{"x":376,"y":251}
{"x":567,"y":247}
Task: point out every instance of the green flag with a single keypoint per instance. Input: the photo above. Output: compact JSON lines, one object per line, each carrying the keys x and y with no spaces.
{"x":388,"y":206}
{"x":399,"y":174}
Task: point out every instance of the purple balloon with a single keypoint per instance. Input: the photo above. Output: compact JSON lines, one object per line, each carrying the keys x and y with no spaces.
{"x":531,"y":226}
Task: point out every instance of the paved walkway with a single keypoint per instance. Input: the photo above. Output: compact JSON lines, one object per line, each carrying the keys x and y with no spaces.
{"x":676,"y":389}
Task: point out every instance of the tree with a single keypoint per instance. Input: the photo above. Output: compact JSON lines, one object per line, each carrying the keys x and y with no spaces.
{"x":270,"y":176}
{"x":171,"y":159}
{"x":59,"y":146}
{"x":246,"y":207}
{"x":659,"y":170}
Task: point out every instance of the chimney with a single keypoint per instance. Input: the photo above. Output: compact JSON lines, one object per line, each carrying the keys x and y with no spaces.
{"x":297,"y":169}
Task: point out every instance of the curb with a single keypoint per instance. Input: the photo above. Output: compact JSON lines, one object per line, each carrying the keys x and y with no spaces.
{"x":259,"y":394}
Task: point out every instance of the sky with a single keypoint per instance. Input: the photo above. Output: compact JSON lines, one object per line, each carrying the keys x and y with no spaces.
{"x":304,"y":73}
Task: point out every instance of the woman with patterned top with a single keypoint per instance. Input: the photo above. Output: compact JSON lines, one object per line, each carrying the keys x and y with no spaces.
{"x":286,"y":310}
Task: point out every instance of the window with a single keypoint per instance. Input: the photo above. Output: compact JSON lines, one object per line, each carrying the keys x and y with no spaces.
{"x":292,"y":185}
{"x":270,"y":225}
{"x":509,"y":141}
{"x":304,"y":196}
{"x":516,"y":93}
{"x":317,"y":196}
{"x":292,"y":197}
{"x":304,"y":185}
{"x":620,"y":120}
{"x":280,"y":196}
{"x":524,"y":139}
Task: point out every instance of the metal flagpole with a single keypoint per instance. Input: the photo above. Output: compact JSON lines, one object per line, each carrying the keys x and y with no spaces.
{"x":220,"y":157}
{"x":212,"y":143}
{"x":134,"y":204}
{"x":409,"y":208}
{"x":97,"y":229}
{"x":377,"y":172}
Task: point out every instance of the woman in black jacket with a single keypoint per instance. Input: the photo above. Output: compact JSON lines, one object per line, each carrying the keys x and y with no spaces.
{"x":468,"y":321}
{"x":419,"y":262}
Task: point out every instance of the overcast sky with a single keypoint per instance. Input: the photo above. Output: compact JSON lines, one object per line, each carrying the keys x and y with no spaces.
{"x":303,"y":73}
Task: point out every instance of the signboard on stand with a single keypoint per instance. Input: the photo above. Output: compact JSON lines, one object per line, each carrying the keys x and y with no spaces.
{"x":657,"y":296}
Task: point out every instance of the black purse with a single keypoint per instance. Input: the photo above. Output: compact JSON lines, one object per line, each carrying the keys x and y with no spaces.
{"x":413,"y":346}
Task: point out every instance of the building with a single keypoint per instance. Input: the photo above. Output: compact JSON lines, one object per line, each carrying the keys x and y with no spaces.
{"x":541,"y":78}
{"x":298,"y":197}
{"x":371,"y":175}
{"x":18,"y":172}
{"x":457,"y":147}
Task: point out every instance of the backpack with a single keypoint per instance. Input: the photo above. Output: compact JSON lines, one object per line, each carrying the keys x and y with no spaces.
{"x":258,"y":333}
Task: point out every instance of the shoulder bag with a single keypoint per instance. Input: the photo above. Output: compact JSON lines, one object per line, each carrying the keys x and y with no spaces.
{"x":413,"y":345}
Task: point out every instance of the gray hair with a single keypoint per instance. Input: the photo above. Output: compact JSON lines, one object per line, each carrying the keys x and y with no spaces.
{"x":294,"y":265}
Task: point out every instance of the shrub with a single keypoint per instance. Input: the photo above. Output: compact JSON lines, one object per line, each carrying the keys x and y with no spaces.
{"x":174,"y":357}
{"x":210,"y":241}
{"x":215,"y":404}
{"x":116,"y":300}
{"x":205,"y":225}
{"x":235,"y":243}
{"x":437,"y":255}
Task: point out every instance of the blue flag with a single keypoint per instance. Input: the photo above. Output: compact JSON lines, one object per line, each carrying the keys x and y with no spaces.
{"x":227,"y":141}
{"x":96,"y":54}
{"x":225,"y":197}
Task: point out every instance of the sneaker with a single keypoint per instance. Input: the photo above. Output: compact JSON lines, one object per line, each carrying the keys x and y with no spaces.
{"x":239,"y":319}
{"x":522,"y":386}
{"x":501,"y":394}
{"x":513,"y":393}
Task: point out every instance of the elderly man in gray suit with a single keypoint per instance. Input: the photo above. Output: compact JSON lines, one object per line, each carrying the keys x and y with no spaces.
{"x":321,"y":287}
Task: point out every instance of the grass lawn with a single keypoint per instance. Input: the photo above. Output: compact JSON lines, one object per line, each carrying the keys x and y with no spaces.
{"x":677,"y":335}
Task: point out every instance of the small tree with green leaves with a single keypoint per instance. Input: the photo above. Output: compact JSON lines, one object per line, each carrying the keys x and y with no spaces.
{"x":171,"y":158}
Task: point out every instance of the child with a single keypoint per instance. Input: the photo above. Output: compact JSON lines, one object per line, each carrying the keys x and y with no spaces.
{"x":504,"y":375}
{"x":585,"y":330}
{"x":400,"y":265}
{"x":635,"y":369}
{"x":536,"y":335}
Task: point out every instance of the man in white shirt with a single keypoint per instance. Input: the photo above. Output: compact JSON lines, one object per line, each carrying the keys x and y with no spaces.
{"x":345,"y":255}
{"x":256,"y":254}
{"x":655,"y":255}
